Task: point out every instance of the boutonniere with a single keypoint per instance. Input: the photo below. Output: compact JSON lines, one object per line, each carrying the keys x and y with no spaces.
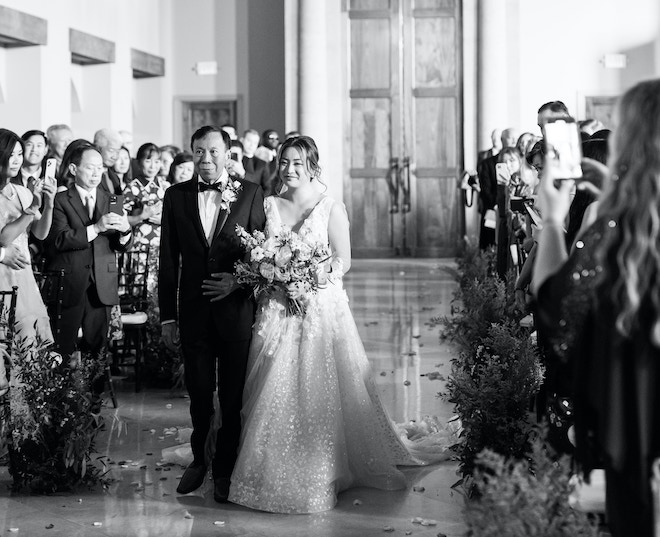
{"x":229,"y":194}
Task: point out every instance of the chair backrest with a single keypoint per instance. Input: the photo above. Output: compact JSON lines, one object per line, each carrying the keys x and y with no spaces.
{"x":8,"y":318}
{"x":51,"y":286}
{"x":133,"y":277}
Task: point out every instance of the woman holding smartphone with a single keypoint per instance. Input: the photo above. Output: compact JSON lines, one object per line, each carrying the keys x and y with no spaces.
{"x":22,"y":212}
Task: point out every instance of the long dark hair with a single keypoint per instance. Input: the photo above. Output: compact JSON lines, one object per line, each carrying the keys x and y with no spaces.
{"x":8,"y":140}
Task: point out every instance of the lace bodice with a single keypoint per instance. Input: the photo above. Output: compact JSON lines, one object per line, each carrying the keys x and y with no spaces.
{"x":314,"y":226}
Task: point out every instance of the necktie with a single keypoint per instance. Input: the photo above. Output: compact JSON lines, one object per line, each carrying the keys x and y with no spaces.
{"x":30,"y":183}
{"x":203,"y":186}
{"x":90,"y":207}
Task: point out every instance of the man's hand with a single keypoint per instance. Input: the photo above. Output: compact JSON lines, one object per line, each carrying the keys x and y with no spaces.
{"x":170,"y":336}
{"x":14,"y":258}
{"x":219,"y":288}
{"x":113,"y":222}
{"x":235,"y":168}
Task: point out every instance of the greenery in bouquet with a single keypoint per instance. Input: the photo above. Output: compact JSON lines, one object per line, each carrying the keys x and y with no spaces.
{"x":51,"y":419}
{"x":284,"y":265}
{"x":526,"y":497}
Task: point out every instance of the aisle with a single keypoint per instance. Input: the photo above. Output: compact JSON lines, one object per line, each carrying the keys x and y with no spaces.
{"x":393,"y":302}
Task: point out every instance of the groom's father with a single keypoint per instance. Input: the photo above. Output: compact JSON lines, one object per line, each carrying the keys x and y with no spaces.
{"x":214,"y":316}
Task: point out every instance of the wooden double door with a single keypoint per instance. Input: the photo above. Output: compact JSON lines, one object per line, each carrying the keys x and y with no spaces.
{"x":405,"y":141}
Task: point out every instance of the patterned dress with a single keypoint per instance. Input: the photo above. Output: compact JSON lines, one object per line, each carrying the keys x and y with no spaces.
{"x":139,"y":193}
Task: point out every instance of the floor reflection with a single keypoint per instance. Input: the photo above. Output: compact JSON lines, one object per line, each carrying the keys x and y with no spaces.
{"x":394,"y":303}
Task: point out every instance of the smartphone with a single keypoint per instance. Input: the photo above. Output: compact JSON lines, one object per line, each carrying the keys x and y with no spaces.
{"x":563,"y":147}
{"x":502,"y":173}
{"x":234,"y":155}
{"x":51,"y":166}
{"x":116,"y":204}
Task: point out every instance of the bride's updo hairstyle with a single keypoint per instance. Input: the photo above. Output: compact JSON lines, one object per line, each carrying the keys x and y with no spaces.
{"x":306,"y":146}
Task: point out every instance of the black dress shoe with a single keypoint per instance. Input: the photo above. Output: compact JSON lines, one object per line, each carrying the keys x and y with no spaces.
{"x":192,"y":478}
{"x":221,"y":489}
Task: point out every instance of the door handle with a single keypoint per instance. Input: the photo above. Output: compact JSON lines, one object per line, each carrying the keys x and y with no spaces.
{"x":404,"y":178}
{"x":393,"y":184}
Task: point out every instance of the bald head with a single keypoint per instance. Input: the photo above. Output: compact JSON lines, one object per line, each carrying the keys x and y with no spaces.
{"x":108,"y":142}
{"x":509,"y":137}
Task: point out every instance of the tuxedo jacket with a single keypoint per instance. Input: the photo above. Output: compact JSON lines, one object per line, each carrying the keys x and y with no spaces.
{"x":184,"y":248}
{"x":67,"y":248}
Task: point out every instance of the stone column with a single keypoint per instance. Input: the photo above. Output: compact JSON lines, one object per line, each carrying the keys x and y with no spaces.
{"x":492,"y":78}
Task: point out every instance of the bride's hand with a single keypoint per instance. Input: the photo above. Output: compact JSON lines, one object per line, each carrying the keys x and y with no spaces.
{"x":224,"y":284}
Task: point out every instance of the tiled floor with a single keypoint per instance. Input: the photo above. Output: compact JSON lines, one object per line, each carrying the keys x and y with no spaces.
{"x":394,"y":302}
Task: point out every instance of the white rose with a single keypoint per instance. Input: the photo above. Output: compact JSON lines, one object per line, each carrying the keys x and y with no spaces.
{"x":228,"y":196}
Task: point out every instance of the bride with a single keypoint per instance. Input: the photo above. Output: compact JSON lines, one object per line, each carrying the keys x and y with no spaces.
{"x":313,"y":423}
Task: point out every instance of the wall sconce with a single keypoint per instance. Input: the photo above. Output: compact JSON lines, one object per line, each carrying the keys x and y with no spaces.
{"x":615,"y":61}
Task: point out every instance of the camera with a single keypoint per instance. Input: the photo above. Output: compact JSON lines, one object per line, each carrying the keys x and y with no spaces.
{"x":518,"y":204}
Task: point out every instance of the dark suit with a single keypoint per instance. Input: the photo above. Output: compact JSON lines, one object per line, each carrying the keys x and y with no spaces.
{"x":211,"y":333}
{"x":110,"y":182}
{"x":487,"y":198}
{"x":256,"y":171}
{"x":90,"y":279}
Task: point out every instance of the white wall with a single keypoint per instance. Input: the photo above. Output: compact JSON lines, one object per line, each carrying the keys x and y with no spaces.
{"x":554,"y":51}
{"x":42,"y":94}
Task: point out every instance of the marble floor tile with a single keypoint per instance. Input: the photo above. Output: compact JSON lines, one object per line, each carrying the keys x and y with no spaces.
{"x":397,"y":305}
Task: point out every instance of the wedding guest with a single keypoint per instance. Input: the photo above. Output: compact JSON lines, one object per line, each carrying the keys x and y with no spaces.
{"x":182,"y":168}
{"x":602,"y":311}
{"x":83,"y":241}
{"x":143,"y":199}
{"x":59,"y":137}
{"x":167,"y":154}
{"x":36,"y":146}
{"x":109,"y":142}
{"x":64,"y":177}
{"x":122,"y":168}
{"x":270,"y":141}
{"x":198,"y":241}
{"x":22,"y":212}
{"x":230,"y":129}
{"x":256,"y":170}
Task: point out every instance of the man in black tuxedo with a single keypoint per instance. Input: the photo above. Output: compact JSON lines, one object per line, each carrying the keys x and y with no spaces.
{"x":83,"y":239}
{"x":214,"y":314}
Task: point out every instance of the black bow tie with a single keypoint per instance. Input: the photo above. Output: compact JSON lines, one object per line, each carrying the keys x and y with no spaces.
{"x":203,"y":186}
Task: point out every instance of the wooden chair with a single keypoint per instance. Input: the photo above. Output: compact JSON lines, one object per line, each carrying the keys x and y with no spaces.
{"x":133,"y":277}
{"x":51,"y":286}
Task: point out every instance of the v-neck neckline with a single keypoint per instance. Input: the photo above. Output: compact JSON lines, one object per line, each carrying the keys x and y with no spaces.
{"x":299,"y":225}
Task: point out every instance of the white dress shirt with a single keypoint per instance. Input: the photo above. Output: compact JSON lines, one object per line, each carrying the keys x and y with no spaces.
{"x":209,"y":206}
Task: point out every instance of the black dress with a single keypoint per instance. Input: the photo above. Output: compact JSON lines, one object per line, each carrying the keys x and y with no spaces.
{"x":614,"y":380}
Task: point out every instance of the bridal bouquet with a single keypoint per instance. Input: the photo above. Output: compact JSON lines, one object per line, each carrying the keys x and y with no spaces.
{"x":285,"y":264}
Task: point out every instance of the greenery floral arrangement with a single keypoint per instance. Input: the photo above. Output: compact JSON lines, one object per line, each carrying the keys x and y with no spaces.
{"x":497,"y":370}
{"x":52,"y":419}
{"x":525,"y":497}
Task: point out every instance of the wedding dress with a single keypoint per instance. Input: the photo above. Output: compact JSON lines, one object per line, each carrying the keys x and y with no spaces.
{"x":313,"y":422}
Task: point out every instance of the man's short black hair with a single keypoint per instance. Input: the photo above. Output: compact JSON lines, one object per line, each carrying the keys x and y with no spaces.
{"x":208,"y":129}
